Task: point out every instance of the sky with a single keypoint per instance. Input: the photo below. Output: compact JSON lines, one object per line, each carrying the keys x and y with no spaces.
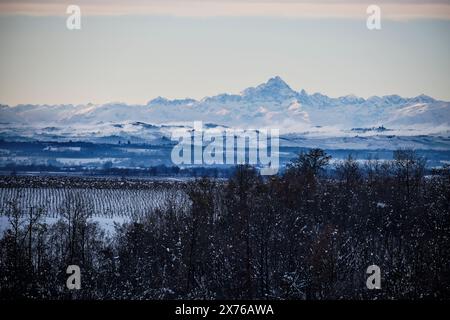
{"x":133,"y":51}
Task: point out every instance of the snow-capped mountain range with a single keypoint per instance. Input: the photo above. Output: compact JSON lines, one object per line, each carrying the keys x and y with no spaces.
{"x":273,"y":104}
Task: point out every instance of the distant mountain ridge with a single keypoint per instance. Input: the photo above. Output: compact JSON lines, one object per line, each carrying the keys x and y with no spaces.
{"x":271,"y":104}
{"x":276,"y":89}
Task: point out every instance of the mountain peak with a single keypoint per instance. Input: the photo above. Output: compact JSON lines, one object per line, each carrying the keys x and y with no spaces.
{"x":423,"y":99}
{"x":274,"y":89}
{"x":158,"y":100}
{"x":276,"y":83}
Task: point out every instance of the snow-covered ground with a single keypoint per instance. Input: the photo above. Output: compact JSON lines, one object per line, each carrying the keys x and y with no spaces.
{"x":100,"y":202}
{"x":105,"y":206}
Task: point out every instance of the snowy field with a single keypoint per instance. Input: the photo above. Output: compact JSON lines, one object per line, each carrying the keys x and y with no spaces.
{"x":101,"y":202}
{"x":106,"y":205}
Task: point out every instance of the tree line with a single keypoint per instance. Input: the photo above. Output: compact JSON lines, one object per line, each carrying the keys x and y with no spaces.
{"x":309,"y":233}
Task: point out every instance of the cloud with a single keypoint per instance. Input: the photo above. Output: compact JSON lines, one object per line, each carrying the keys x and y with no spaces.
{"x":391,"y":9}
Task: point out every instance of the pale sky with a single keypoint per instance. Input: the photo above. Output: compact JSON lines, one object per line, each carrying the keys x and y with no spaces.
{"x":133,"y":51}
